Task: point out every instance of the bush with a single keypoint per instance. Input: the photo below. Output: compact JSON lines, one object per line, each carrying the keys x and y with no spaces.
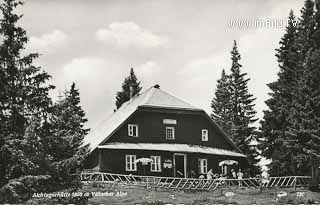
{"x":60,"y":200}
{"x":66,"y":196}
{"x":21,"y":189}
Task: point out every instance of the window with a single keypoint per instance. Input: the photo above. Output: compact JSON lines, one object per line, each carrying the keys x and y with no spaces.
{"x":133,"y":130}
{"x":156,"y":164}
{"x":203,"y":166}
{"x":130,"y":163}
{"x":204,"y":135}
{"x":170,"y":133}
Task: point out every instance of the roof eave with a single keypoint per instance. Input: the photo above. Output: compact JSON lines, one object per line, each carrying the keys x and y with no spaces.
{"x":149,"y":147}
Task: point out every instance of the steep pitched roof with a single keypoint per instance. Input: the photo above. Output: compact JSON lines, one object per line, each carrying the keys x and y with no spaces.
{"x":152,"y":97}
{"x":160,"y":98}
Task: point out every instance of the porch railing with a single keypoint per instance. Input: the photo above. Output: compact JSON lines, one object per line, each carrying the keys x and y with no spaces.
{"x":193,"y":183}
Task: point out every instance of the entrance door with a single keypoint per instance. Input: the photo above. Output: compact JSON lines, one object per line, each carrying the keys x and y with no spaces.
{"x":180,"y":164}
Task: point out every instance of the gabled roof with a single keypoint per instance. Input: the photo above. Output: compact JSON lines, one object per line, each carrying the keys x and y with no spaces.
{"x":152,"y":97}
{"x":160,"y":98}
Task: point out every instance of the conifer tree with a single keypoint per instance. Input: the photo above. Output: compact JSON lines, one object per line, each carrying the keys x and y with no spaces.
{"x":68,"y":132}
{"x":221,"y":104}
{"x":130,"y":86}
{"x":242,"y":114}
{"x":305,"y":29}
{"x":23,"y":98}
{"x":285,"y":125}
{"x":24,"y":111}
{"x":305,"y":113}
{"x":276,"y":145}
{"x":233,"y":108}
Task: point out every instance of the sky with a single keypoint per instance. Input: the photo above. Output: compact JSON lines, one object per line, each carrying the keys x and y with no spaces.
{"x":181,"y":45}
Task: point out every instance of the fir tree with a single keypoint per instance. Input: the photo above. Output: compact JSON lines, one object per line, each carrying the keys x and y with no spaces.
{"x":286,"y":124}
{"x":233,"y":109}
{"x":305,"y":113}
{"x":221,"y":104}
{"x":276,"y":145}
{"x":305,"y":29}
{"x":242,"y":113}
{"x":68,"y":132}
{"x":23,"y":99}
{"x":130,"y":86}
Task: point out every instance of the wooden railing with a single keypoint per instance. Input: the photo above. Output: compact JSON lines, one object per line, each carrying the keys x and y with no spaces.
{"x":193,"y":183}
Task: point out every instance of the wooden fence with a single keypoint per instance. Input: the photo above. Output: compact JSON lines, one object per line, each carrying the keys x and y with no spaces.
{"x":174,"y":183}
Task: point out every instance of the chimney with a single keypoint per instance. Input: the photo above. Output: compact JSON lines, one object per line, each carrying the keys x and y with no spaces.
{"x":130,"y":92}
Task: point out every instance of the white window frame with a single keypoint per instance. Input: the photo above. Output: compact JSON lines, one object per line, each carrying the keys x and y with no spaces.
{"x":131,"y":130}
{"x":155,"y":164}
{"x":172,"y":131}
{"x":131,"y":165}
{"x":205,"y":135}
{"x":203,"y":166}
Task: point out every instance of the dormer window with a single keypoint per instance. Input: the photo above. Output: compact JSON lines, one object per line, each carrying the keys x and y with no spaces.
{"x":204,"y":134}
{"x":133,"y":130}
{"x":170,"y":133}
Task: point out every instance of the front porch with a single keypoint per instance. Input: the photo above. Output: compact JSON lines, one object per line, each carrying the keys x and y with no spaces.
{"x":169,"y":163}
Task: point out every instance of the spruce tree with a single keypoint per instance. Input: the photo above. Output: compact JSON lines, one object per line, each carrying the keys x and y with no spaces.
{"x":233,"y":109}
{"x":276,"y":145}
{"x":68,"y":132}
{"x":221,"y":104}
{"x":285,"y":123}
{"x":24,"y":109}
{"x":23,"y":99}
{"x":130,"y":86}
{"x":242,"y":113}
{"x":305,"y":113}
{"x":305,"y":29}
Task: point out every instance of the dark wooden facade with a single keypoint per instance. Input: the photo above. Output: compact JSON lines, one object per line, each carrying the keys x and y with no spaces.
{"x":113,"y":161}
{"x":152,"y":129}
{"x":187,"y":130}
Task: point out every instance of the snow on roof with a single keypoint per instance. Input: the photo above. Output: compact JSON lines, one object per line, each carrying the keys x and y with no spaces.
{"x":160,"y":98}
{"x":171,"y":148}
{"x":152,"y":97}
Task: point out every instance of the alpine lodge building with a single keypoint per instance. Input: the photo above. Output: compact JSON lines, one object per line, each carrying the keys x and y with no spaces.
{"x":172,"y":136}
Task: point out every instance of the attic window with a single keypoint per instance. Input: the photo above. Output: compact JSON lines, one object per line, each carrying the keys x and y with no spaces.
{"x":133,"y":130}
{"x":204,"y":135}
{"x":170,"y":133}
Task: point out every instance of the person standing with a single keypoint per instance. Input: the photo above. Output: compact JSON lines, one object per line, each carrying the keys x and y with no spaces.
{"x":210,"y":174}
{"x":240,"y":177}
{"x":233,"y":174}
